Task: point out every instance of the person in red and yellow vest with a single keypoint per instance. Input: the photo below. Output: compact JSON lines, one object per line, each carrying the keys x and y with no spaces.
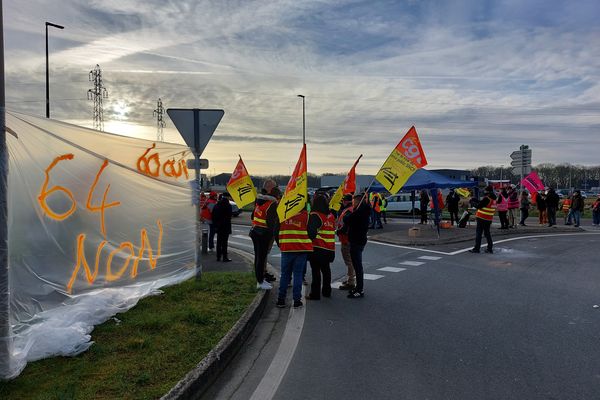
{"x":376,"y":211}
{"x":566,"y":209}
{"x":264,"y":225}
{"x":323,"y":247}
{"x":295,"y":243}
{"x":206,"y":216}
{"x":484,"y":216}
{"x":342,"y":231}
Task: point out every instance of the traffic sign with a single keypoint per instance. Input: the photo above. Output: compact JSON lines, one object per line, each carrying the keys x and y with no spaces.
{"x":202,"y":163}
{"x":517,"y":170}
{"x":196,"y":126}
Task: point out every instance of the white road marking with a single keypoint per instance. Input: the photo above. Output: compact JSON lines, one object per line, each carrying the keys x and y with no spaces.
{"x":412,"y":263}
{"x":391,"y":269}
{"x":408,"y":247}
{"x":336,"y":285}
{"x":430,"y":258}
{"x":372,"y":277}
{"x":245,"y":237}
{"x":268,"y":385}
{"x":242,"y":245}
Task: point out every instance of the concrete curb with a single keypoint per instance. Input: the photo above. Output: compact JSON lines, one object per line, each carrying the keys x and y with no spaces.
{"x":198,"y":380}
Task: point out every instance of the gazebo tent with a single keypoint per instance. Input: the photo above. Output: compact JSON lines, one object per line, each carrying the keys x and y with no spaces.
{"x":424,"y":179}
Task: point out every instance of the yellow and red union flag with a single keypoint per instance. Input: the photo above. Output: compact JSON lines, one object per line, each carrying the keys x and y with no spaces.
{"x":294,"y":198}
{"x":347,"y":187}
{"x":240,"y":186}
{"x":405,"y":159}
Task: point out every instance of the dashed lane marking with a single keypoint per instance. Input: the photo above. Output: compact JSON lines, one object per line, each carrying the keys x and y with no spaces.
{"x":391,"y":269}
{"x":372,"y":277}
{"x":430,"y":258}
{"x":412,"y":263}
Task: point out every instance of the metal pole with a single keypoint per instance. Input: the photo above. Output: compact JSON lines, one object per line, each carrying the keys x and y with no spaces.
{"x":5,"y":330}
{"x":198,"y":210}
{"x":47,"y":72}
{"x":303,"y":120}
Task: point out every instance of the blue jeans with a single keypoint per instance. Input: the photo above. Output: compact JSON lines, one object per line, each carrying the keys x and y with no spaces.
{"x":577,"y":217}
{"x":292,"y":263}
{"x":596,"y":217}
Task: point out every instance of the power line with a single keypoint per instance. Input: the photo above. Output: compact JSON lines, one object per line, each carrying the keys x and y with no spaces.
{"x":97,"y":94}
{"x":160,"y":122}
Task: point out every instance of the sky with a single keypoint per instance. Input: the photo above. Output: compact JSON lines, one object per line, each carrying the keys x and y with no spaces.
{"x":476,"y":78}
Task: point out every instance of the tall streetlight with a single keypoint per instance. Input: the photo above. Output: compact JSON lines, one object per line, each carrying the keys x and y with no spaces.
{"x":47,"y":73}
{"x":303,"y":120}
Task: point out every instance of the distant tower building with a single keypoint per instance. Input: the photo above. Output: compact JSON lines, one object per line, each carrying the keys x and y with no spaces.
{"x":97,"y":93}
{"x":160,"y":122}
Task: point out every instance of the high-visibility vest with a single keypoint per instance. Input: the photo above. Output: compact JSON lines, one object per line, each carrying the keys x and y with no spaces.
{"x":326,"y":233}
{"x":513,"y":201}
{"x":376,"y":202}
{"x":340,"y":223}
{"x":293,"y":234}
{"x":487,"y":213}
{"x":503,"y":204}
{"x":260,"y":214}
{"x":383,"y":204}
{"x":566,"y":205}
{"x":206,"y":213}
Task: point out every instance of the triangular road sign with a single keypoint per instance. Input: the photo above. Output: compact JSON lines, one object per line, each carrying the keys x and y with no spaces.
{"x":196,"y":126}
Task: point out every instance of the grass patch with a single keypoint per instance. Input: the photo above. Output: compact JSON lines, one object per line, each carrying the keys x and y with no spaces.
{"x":149,"y":351}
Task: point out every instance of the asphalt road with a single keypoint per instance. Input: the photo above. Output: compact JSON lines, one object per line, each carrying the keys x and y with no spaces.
{"x":518,"y":324}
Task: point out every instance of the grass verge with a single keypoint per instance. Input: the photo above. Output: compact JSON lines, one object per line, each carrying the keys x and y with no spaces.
{"x":152,"y":347}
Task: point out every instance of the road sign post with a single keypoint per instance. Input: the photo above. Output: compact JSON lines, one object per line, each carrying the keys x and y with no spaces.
{"x":196,"y":126}
{"x":521,"y":163}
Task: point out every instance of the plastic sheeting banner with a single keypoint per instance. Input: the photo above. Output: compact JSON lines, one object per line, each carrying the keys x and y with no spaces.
{"x":96,"y":221}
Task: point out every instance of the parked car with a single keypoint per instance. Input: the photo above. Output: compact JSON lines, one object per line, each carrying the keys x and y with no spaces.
{"x":401,"y":203}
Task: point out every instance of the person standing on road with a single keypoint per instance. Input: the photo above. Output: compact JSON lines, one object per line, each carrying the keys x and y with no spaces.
{"x":596,"y":212}
{"x":383,"y":207}
{"x":484,"y":216}
{"x":513,"y":206}
{"x":295,"y":241}
{"x":423,"y":203}
{"x":552,"y":201}
{"x":502,"y":207}
{"x":221,"y":219}
{"x":524,"y":207}
{"x":342,"y":232}
{"x":541,"y":206}
{"x":323,"y":253}
{"x":358,"y":227}
{"x":452,"y":200}
{"x":206,"y":216}
{"x":376,"y":212}
{"x":577,"y":206}
{"x":264,"y":224}
{"x":566,"y":208}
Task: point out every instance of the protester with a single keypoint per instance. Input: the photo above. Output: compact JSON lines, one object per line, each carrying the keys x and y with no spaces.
{"x":323,"y":253}
{"x":384,"y":204}
{"x":540,"y":203}
{"x":275,"y":192}
{"x":484,"y":216}
{"x":376,"y":211}
{"x":295,"y":243}
{"x":524,"y":207}
{"x":552,"y":201}
{"x":264,"y":225}
{"x":513,"y":206}
{"x":206,"y":216}
{"x":596,"y":212}
{"x":577,"y":206}
{"x":342,"y":232}
{"x":566,"y":208}
{"x":502,"y":207}
{"x":221,"y":219}
{"x":358,"y":227}
{"x":452,"y":200}
{"x":424,"y":202}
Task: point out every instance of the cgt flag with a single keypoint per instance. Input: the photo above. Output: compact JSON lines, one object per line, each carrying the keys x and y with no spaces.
{"x":294,"y":198}
{"x":405,"y":159}
{"x":348,"y":186}
{"x":240,"y":186}
{"x":462,"y":192}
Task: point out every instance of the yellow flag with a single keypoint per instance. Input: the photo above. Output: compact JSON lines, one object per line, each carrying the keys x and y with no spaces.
{"x":463,"y":192}
{"x":294,"y":198}
{"x":240,"y":186}
{"x":405,"y":159}
{"x":347,"y":187}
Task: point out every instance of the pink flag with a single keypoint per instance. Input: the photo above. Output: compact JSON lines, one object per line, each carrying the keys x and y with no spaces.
{"x":532,"y":182}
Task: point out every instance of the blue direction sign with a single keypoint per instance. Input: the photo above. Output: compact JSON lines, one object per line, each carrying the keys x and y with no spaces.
{"x":196,"y":126}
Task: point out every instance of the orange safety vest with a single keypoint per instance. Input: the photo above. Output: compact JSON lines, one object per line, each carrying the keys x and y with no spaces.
{"x":206,"y":213}
{"x":293,"y":234}
{"x":566,"y":205}
{"x":340,"y":223}
{"x":376,"y":202}
{"x":326,"y":233}
{"x":487,"y":213}
{"x":260,"y":214}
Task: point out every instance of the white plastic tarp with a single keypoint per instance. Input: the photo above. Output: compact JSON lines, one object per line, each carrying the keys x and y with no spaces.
{"x":96,"y":222}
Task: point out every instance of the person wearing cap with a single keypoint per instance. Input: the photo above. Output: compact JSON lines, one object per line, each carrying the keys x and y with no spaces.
{"x":206,"y":216}
{"x":525,"y":204}
{"x":264,"y":225}
{"x":484,"y":216}
{"x":342,"y":231}
{"x":596,"y":212}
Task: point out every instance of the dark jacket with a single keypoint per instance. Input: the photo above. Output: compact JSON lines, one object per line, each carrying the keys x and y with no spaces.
{"x":221,"y":216}
{"x":358,"y":224}
{"x":552,"y":199}
{"x":452,"y":201}
{"x":424,"y":200}
{"x":486,"y":200}
{"x":577,"y":204}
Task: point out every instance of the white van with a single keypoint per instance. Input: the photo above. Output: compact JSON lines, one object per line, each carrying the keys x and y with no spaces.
{"x":400,"y":202}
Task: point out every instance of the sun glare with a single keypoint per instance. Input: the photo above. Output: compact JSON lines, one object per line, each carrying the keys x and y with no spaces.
{"x":121,"y":109}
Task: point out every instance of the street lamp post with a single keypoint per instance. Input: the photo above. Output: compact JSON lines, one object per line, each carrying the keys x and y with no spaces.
{"x":47,"y":73}
{"x":303,"y":120}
